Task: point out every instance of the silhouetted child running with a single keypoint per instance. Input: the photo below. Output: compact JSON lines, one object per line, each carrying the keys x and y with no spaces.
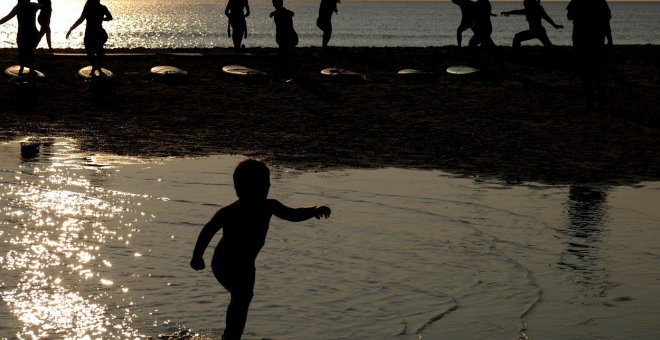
{"x":236,"y":11}
{"x":467,"y":18}
{"x":26,"y":37}
{"x":324,"y":21}
{"x":533,"y":12}
{"x":95,"y":35}
{"x":245,"y":225}
{"x":44,"y":22}
{"x":285,"y":35}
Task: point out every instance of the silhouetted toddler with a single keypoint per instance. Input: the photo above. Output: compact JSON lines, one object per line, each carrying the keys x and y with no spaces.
{"x":245,"y":225}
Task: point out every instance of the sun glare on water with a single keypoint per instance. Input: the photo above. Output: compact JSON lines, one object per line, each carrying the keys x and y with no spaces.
{"x":53,"y":232}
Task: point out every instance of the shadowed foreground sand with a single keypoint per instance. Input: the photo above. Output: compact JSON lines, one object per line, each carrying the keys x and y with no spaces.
{"x":523,"y":119}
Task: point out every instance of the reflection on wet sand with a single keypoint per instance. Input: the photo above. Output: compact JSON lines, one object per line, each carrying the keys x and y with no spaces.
{"x":585,"y":231}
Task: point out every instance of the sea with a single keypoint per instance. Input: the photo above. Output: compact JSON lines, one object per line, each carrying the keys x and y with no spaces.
{"x":202,"y":23}
{"x":97,"y":246}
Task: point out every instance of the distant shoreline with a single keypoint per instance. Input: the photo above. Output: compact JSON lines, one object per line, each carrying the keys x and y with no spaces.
{"x":190,"y":24}
{"x":522,"y":119}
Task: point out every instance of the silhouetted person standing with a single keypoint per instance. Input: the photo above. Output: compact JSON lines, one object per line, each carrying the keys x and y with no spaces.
{"x":467,"y":18}
{"x":285,"y":35}
{"x":482,"y":26}
{"x":324,"y":21}
{"x":26,"y":37}
{"x":236,"y":11}
{"x":44,"y":22}
{"x":245,"y":225}
{"x":533,"y":12}
{"x":95,"y":35}
{"x":591,"y":30}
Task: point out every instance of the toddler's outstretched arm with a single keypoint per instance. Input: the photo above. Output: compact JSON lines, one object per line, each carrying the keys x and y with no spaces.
{"x":299,"y":214}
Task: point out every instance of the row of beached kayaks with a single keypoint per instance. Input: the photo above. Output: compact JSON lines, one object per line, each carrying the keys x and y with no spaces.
{"x":171,"y":72}
{"x":15,"y":72}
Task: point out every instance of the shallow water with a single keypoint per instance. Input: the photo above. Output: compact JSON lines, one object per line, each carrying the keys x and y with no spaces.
{"x":99,"y":245}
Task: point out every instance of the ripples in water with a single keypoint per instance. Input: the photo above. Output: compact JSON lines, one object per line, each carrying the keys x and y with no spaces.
{"x":98,"y":246}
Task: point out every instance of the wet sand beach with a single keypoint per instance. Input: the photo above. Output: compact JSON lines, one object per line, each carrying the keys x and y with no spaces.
{"x":522,"y":119}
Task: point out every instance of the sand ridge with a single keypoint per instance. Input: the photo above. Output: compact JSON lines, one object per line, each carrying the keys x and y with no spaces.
{"x":522,"y":119}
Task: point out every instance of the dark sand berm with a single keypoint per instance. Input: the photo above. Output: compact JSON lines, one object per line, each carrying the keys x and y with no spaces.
{"x":523,"y":119}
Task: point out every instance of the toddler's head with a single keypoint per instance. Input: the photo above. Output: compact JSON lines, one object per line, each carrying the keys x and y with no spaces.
{"x":252,"y":179}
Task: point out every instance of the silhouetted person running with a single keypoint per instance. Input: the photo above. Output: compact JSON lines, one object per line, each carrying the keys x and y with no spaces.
{"x":468,"y":9}
{"x":26,"y":37}
{"x":591,"y":29}
{"x":95,"y":35}
{"x":533,"y":12}
{"x":285,"y":35}
{"x":482,"y":26}
{"x":245,"y":225}
{"x":44,"y":22}
{"x":236,"y":11}
{"x":324,"y":21}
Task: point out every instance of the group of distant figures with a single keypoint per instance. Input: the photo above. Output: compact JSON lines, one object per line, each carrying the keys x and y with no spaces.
{"x":285,"y":34}
{"x":238,"y":10}
{"x":591,"y":28}
{"x":591,"y":19}
{"x":28,"y":36}
{"x":591,"y":31}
